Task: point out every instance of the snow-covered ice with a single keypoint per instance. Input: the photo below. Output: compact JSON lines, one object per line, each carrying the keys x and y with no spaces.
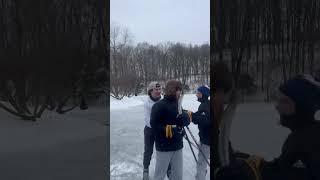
{"x":126,"y":102}
{"x":126,"y":139}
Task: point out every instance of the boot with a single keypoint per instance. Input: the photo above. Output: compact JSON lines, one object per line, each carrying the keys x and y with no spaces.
{"x":146,"y":174}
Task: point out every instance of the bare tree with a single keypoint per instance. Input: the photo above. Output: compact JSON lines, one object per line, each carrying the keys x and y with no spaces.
{"x":43,"y":51}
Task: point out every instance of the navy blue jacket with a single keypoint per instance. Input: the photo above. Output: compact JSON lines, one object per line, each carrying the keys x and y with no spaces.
{"x":302,"y":144}
{"x":202,"y":119}
{"x":165,"y":113}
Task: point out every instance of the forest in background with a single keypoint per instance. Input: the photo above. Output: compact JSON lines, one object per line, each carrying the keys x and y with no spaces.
{"x":266,"y":41}
{"x":133,"y":67}
{"x":53,"y":55}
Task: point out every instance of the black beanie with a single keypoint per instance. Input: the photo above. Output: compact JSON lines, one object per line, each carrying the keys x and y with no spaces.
{"x":305,"y":92}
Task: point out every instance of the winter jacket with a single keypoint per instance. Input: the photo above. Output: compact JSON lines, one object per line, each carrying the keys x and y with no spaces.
{"x":202,"y":119}
{"x":302,"y":144}
{"x":147,"y":110}
{"x":165,"y":113}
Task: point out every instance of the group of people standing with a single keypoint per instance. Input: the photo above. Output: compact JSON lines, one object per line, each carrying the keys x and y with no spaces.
{"x":297,"y":104}
{"x":165,"y":127}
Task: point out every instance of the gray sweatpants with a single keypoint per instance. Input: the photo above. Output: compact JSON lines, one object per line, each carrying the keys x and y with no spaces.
{"x":202,"y":163}
{"x":162,"y":162}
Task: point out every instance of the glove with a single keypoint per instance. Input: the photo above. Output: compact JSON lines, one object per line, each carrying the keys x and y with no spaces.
{"x":183,"y":119}
{"x":255,"y":162}
{"x":179,"y":130}
{"x":169,"y":132}
{"x":173,"y":129}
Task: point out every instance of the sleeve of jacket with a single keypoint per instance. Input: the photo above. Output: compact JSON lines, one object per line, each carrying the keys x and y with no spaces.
{"x":146,"y":108}
{"x":202,"y":116}
{"x":288,"y":156}
{"x":155,"y":118}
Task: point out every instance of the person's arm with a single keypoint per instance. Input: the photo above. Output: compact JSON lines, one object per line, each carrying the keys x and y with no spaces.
{"x":147,"y":111}
{"x":289,"y":154}
{"x":146,"y":108}
{"x":202,"y":116}
{"x":155,"y":118}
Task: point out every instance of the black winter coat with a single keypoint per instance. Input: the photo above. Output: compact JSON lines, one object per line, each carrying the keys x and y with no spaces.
{"x":302,"y":144}
{"x":202,"y":119}
{"x":165,"y":113}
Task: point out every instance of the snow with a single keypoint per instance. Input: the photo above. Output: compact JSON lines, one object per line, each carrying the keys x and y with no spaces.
{"x":126,"y":102}
{"x":126,"y":139}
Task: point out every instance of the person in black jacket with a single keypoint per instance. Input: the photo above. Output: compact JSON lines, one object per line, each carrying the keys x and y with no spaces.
{"x":297,"y":104}
{"x":202,"y":119}
{"x":167,"y":124}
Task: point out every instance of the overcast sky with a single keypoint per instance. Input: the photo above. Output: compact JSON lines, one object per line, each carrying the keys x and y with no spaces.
{"x":155,"y":21}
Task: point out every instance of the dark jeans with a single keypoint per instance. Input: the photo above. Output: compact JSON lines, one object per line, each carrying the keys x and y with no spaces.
{"x":148,"y":146}
{"x":149,"y":139}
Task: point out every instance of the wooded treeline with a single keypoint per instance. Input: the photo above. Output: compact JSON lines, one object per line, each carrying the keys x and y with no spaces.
{"x":52,"y":54}
{"x":134,"y":66}
{"x":271,"y":40}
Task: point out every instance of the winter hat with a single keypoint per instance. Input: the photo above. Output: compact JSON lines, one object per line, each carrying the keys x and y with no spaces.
{"x":153,"y":85}
{"x":172,"y":87}
{"x":304,"y":90}
{"x":204,"y":89}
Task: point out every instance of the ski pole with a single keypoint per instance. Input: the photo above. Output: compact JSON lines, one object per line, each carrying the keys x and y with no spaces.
{"x":195,"y":146}
{"x":194,"y":155}
{"x":194,"y":139}
{"x":180,"y":112}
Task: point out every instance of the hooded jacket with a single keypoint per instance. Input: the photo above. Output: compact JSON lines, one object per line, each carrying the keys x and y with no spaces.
{"x":202,"y":119}
{"x":302,"y":144}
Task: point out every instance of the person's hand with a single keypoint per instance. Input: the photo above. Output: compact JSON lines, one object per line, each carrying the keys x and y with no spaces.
{"x":189,"y":114}
{"x":170,"y":130}
{"x":183,"y":119}
{"x":255,"y":162}
{"x":179,"y":130}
